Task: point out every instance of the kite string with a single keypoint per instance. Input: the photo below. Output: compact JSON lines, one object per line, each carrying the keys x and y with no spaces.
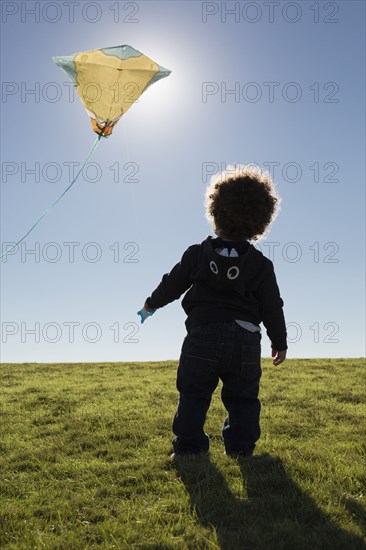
{"x":58,"y":199}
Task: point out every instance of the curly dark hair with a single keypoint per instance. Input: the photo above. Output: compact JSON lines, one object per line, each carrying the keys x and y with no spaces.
{"x":241,"y":203}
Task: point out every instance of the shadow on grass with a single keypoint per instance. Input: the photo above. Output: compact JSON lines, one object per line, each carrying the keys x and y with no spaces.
{"x":273,"y":514}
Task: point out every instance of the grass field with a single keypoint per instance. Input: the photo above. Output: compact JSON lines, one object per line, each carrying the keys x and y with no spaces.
{"x":85,"y":461}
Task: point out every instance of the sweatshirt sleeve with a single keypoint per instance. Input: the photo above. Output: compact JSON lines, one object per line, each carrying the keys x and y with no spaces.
{"x":271,"y":309}
{"x":174,"y":283}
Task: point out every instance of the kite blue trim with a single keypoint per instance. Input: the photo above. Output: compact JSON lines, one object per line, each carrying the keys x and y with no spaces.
{"x":57,"y":200}
{"x":66,"y":63}
{"x":124,"y":51}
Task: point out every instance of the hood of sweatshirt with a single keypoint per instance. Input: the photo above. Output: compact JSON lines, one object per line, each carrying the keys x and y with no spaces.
{"x":227,"y":273}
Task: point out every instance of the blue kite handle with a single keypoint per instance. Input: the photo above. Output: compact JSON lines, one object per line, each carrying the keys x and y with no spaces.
{"x":144,"y":314}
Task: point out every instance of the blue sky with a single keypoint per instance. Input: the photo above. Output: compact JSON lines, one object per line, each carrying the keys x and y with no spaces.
{"x":278,"y":84}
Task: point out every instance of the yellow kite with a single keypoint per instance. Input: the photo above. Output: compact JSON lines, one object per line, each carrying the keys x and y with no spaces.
{"x":108,"y":82}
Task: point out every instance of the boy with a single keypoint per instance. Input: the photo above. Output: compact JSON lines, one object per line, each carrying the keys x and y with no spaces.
{"x":232,"y":288}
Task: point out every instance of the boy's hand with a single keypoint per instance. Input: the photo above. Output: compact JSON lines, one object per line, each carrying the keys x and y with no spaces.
{"x":145,"y":312}
{"x":279,"y":356}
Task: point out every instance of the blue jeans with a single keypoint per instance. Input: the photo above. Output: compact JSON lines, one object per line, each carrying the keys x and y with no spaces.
{"x":213,"y":351}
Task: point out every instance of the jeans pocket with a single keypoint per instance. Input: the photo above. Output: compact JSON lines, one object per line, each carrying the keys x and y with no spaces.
{"x":200,"y":359}
{"x":251,"y":362}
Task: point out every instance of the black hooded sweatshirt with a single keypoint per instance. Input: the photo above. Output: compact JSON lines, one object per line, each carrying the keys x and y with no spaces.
{"x":224,"y":288}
